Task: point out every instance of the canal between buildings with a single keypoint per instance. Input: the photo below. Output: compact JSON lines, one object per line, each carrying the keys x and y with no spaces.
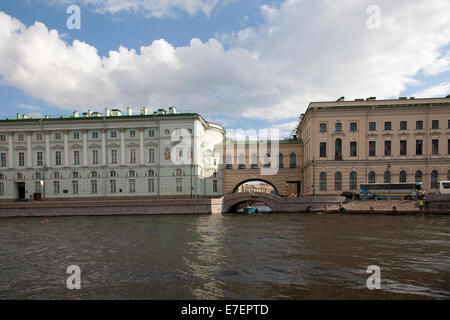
{"x":266,"y":256}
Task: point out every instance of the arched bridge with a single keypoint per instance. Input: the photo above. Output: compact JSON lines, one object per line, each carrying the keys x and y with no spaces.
{"x":233,"y":201}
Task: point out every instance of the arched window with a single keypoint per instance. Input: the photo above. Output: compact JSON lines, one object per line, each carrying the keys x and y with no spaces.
{"x":113,"y":174}
{"x":402,"y":176}
{"x":323,"y":181}
{"x":353,"y":180}
{"x":254,"y":161}
{"x":338,"y":149}
{"x":293,"y":160}
{"x":151,"y":173}
{"x":241,"y":161}
{"x":267,"y":161}
{"x":387,"y":177}
{"x":338,"y":181}
{"x":94,"y":174}
{"x":229,"y":162}
{"x":371,"y":177}
{"x":281,"y":161}
{"x":132,"y":173}
{"x":434,"y":179}
{"x":418,"y":176}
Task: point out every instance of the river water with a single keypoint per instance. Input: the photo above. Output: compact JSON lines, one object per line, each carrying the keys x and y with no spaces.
{"x":266,"y":256}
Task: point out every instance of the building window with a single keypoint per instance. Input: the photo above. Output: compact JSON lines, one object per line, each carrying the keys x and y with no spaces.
{"x":40,"y":159}
{"x":387,"y":148}
{"x":3,"y":137}
{"x":323,"y":149}
{"x":419,"y":125}
{"x":418,"y":176}
{"x":132,"y":156}
{"x":113,"y":134}
{"x":214,"y":186}
{"x":403,"y":125}
{"x":57,"y":136}
{"x":419,"y":147}
{"x":323,"y":127}
{"x":353,"y":149}
{"x":4,"y":162}
{"x":448,"y":146}
{"x":281,"y":160}
{"x":372,"y":126}
{"x":151,"y":185}
{"x":151,"y":133}
{"x":151,"y":173}
{"x":20,"y":137}
{"x":402,"y":176}
{"x":267,"y":161}
{"x":403,"y":147}
{"x":179,"y":184}
{"x":55,"y":187}
{"x":37,"y":187}
{"x":132,"y":183}
{"x":229,"y":162}
{"x":132,"y":173}
{"x":58,"y":158}
{"x":20,"y":176}
{"x":353,"y":180}
{"x":254,"y":161}
{"x":434,"y":179}
{"x":338,"y":127}
{"x":56,"y":175}
{"x":323,"y":181}
{"x":151,"y":155}
{"x":94,"y":156}
{"x":95,"y":135}
{"x":75,"y":186}
{"x":94,"y":174}
{"x":448,"y":124}
{"x":21,"y":159}
{"x":435,"y":147}
{"x":132,"y":133}
{"x":113,"y":186}
{"x":372,"y":148}
{"x":39,"y":136}
{"x":371,"y":177}
{"x":167,"y":132}
{"x":114,"y":156}
{"x":388,"y":125}
{"x":241,"y":161}
{"x":2,"y":188}
{"x":75,"y":175}
{"x":353,"y":126}
{"x":76,"y":135}
{"x":338,"y":149}
{"x":178,"y":173}
{"x":448,"y":175}
{"x":292,"y":160}
{"x":113,"y":174}
{"x":387,"y":177}
{"x":338,"y":181}
{"x":435,"y":124}
{"x":94,"y":188}
{"x":76,"y":157}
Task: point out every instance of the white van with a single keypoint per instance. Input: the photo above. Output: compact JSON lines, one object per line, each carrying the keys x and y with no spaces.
{"x":444,"y":187}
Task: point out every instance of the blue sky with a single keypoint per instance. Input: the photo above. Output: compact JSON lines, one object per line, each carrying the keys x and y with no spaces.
{"x":256,"y":64}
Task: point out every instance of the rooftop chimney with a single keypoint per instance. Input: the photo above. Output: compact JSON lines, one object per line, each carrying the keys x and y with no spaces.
{"x":107,"y":112}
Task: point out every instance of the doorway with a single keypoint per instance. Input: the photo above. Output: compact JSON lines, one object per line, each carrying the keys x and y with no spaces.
{"x":20,"y":190}
{"x":293,"y":188}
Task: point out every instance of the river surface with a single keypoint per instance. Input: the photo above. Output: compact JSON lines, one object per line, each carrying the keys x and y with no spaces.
{"x":266,"y":256}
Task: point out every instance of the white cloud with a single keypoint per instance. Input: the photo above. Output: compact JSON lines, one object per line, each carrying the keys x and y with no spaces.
{"x":440,"y":90}
{"x":438,"y":66}
{"x":150,"y":8}
{"x":304,"y":51}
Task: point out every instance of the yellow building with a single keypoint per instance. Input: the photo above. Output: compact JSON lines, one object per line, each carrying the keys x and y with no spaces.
{"x":346,"y":143}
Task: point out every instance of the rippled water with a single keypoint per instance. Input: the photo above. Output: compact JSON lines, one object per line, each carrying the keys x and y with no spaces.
{"x":274,"y":256}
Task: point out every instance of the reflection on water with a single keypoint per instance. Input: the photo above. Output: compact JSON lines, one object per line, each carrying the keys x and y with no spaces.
{"x":273,"y":256}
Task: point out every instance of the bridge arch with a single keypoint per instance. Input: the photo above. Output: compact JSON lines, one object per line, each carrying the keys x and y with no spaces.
{"x":234,"y":201}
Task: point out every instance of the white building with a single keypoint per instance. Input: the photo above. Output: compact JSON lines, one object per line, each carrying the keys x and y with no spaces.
{"x":110,"y":155}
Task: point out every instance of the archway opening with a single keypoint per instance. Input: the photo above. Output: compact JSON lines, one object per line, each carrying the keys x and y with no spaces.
{"x":260,"y":206}
{"x":255,"y":186}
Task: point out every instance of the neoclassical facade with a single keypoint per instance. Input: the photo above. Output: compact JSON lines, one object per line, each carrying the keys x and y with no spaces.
{"x":110,"y":155}
{"x":346,"y":143}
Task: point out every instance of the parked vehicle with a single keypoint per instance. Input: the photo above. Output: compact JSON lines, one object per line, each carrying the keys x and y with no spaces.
{"x":391,"y":190}
{"x":444,"y":187}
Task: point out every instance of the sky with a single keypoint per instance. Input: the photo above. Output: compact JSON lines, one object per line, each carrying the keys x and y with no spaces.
{"x":244,"y":64}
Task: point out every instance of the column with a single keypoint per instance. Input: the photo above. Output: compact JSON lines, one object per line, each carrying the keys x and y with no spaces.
{"x":10,"y":150}
{"x":141,"y":145}
{"x":48,"y":163}
{"x":103,"y":147}
{"x":66,"y":148}
{"x":122,"y":146}
{"x":29,"y":153}
{"x":85,"y":149}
